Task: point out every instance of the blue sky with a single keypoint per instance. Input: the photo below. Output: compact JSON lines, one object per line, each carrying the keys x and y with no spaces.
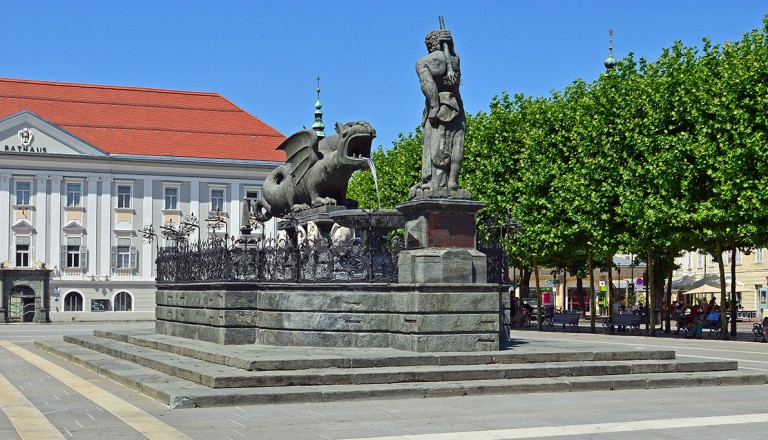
{"x":265,"y":55}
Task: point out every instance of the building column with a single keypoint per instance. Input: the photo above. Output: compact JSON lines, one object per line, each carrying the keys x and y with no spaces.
{"x":3,"y":299}
{"x":5,"y":218}
{"x":41,"y":217}
{"x":234,"y":210}
{"x":146,"y":249}
{"x":92,"y":206}
{"x":194,"y":208}
{"x":105,"y":230}
{"x":54,"y":255}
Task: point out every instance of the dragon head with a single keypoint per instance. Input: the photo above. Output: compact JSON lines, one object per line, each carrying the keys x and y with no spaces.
{"x":354,"y":143}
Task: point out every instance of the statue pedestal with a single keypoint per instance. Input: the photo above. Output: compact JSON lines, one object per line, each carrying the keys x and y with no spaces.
{"x":440,"y":244}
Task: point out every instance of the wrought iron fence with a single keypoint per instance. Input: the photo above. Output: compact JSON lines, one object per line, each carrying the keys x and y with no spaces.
{"x":281,"y":260}
{"x":365,"y":256}
{"x":497,"y":262}
{"x":491,"y":243}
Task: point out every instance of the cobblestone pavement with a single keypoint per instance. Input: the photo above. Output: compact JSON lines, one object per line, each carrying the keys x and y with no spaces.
{"x":43,"y":397}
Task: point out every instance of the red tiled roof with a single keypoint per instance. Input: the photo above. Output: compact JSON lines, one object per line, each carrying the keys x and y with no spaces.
{"x":140,"y":121}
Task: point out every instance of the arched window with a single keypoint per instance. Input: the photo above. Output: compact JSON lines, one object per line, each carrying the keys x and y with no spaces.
{"x":22,"y":291}
{"x":123,"y":302}
{"x":73,"y":302}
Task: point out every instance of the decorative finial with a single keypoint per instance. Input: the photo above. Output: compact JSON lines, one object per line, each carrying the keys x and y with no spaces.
{"x":318,"y":126}
{"x":610,"y":61}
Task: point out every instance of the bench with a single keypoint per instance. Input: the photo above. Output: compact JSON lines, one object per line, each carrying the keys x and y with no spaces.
{"x":715,"y":331}
{"x":686,"y":329}
{"x":570,"y":319}
{"x":757,"y":329}
{"x":631,"y":321}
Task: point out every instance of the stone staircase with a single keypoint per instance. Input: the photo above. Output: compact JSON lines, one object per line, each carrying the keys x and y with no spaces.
{"x":185,"y":373}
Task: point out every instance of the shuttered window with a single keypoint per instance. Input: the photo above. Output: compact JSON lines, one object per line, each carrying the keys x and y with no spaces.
{"x":23,"y":242}
{"x":74,"y":254}
{"x":124,"y":256}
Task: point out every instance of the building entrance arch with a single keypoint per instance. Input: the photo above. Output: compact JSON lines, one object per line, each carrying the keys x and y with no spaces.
{"x":24,"y":295}
{"x":21,"y":304}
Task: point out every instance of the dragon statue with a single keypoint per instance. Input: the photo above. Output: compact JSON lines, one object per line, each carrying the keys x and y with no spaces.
{"x":317,"y":171}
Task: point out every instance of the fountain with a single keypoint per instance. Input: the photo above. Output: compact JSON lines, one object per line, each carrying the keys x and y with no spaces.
{"x":347,"y":280}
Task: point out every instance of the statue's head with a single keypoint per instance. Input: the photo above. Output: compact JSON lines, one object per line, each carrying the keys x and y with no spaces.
{"x":354,"y":144}
{"x":433,"y":41}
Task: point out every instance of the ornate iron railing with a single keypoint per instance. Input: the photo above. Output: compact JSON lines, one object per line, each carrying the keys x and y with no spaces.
{"x":492,"y":245}
{"x":497,"y":260}
{"x":366,"y":256}
{"x":281,"y":260}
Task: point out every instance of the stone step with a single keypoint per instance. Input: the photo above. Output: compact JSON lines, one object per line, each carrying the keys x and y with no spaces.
{"x":222,"y":376}
{"x":180,"y":393}
{"x":270,"y":358}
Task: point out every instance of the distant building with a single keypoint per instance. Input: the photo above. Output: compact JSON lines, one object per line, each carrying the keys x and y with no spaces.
{"x":698,"y":267}
{"x":83,"y":168}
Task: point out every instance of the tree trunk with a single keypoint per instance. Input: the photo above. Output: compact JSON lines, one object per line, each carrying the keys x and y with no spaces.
{"x":538,"y":292}
{"x":670,"y":272}
{"x":609,"y":291}
{"x":734,"y":309}
{"x":525,"y":282}
{"x":723,"y":314}
{"x":580,"y":293}
{"x":651,"y":306}
{"x":592,"y":306}
{"x":556,"y":288}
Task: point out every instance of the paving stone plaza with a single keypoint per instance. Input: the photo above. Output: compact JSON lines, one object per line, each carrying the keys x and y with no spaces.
{"x":67,"y":399}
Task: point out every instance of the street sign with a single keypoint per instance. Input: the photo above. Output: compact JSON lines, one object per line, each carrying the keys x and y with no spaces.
{"x":551,"y":281}
{"x":639,"y":281}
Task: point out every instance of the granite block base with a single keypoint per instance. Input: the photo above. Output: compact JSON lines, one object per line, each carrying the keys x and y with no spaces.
{"x":415,"y":317}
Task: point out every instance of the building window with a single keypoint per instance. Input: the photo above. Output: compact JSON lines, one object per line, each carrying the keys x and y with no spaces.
{"x":22,"y":250}
{"x":759,"y":256}
{"x":171,"y":198}
{"x":123,"y":302}
{"x":74,"y":191}
{"x":23,"y":193}
{"x":124,"y":255}
{"x":699,"y":260}
{"x":252,"y":196}
{"x":738,"y":256}
{"x":217,"y":200}
{"x":73,"y":254}
{"x":689,"y":258}
{"x":100,"y":305}
{"x":73,"y":302}
{"x":123,"y":196}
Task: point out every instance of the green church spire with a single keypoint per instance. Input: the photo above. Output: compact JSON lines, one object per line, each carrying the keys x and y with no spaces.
{"x":610,"y":61}
{"x":318,"y":126}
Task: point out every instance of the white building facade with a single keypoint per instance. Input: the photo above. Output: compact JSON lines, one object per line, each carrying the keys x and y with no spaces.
{"x":73,"y":213}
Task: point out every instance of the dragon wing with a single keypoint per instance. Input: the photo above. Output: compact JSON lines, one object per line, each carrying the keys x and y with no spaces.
{"x":301,"y":152}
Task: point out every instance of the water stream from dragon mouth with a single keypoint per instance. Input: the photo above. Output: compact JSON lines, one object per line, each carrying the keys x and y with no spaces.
{"x":375,"y":178}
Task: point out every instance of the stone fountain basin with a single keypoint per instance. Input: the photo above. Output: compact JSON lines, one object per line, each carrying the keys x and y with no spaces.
{"x":364,"y":219}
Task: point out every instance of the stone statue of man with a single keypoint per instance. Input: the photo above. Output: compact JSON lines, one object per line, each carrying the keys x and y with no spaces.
{"x":443,"y":120}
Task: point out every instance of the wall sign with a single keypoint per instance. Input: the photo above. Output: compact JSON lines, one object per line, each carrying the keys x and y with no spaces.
{"x":26,"y":136}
